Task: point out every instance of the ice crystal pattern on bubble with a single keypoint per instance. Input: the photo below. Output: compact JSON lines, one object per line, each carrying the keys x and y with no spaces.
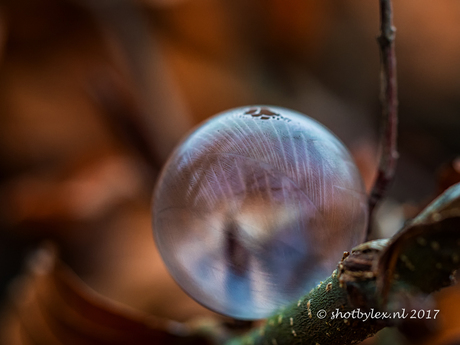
{"x":254,"y":207}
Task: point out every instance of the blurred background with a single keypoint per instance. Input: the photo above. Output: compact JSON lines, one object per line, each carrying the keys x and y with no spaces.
{"x":94,"y":95}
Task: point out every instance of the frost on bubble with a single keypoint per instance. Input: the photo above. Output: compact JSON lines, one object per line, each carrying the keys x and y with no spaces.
{"x":254,"y":208}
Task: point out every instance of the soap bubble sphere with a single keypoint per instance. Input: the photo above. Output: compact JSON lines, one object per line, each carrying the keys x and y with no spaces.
{"x":256,"y":207}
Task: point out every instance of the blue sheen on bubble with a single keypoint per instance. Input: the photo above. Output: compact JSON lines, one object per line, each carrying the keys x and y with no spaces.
{"x":255,"y":207}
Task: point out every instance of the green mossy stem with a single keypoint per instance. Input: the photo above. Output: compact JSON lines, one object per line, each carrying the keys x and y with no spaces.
{"x":302,"y":321}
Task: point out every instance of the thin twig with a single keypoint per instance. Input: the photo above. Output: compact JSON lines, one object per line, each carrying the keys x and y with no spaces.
{"x":389,"y":102}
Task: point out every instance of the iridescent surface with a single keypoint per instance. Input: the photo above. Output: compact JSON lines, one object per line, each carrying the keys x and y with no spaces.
{"x":255,"y":207}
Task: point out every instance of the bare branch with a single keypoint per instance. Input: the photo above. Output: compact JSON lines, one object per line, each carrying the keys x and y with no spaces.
{"x":389,"y":102}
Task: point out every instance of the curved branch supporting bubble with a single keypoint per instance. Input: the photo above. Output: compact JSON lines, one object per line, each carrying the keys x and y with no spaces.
{"x":320,"y":317}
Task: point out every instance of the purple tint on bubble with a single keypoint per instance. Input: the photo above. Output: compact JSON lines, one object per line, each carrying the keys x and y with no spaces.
{"x":251,"y":212}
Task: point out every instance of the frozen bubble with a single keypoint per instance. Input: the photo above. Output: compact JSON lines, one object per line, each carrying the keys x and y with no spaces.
{"x":255,"y":207}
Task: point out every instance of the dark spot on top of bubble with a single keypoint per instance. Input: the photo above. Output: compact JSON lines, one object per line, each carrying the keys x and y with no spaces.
{"x":266,"y":111}
{"x":263,"y":112}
